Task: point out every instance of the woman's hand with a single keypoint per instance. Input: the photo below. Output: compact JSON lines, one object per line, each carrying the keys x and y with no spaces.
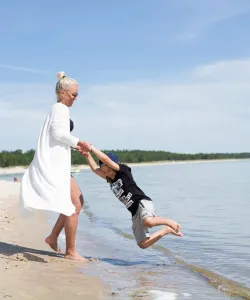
{"x":84,"y":153}
{"x":84,"y":146}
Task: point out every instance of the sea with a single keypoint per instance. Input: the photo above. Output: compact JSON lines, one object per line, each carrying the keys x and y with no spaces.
{"x":211,"y":202}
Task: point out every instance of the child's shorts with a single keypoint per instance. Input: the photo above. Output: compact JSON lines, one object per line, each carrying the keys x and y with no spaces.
{"x":145,"y":209}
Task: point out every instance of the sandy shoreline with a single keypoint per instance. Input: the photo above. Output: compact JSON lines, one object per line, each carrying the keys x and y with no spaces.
{"x":29,"y":270}
{"x":21,"y":169}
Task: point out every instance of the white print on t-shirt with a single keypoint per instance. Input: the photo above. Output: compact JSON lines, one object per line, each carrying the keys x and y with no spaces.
{"x":117,"y":189}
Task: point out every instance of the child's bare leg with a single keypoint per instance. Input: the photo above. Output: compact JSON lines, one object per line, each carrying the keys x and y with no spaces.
{"x":157,"y":221}
{"x":158,"y":235}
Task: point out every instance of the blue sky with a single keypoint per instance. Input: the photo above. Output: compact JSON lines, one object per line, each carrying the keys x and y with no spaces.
{"x":170,"y":75}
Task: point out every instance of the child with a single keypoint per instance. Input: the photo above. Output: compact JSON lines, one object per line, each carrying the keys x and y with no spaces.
{"x":122,"y":184}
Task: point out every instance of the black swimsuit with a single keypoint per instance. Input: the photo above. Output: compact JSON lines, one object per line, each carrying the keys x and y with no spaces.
{"x":71,"y":125}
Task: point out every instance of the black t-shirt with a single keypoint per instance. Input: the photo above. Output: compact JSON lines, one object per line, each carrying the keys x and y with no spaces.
{"x":126,"y":190}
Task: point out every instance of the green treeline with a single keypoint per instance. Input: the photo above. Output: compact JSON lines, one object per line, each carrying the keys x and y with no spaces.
{"x":20,"y":158}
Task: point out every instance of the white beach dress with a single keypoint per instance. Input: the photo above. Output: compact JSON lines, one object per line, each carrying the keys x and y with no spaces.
{"x":46,"y":183}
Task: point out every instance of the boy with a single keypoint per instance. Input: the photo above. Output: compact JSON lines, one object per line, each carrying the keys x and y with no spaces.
{"x":124,"y":187}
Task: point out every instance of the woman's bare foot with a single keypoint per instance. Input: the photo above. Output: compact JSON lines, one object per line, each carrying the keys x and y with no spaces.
{"x":52,"y":242}
{"x":172,"y":231}
{"x":75,"y":256}
{"x":174,"y":225}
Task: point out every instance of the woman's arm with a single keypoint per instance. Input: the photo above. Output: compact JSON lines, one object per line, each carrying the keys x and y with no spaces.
{"x":60,"y":127}
{"x":105,"y":159}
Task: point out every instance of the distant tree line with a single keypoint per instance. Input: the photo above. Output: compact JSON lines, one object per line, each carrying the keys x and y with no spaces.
{"x":20,"y":158}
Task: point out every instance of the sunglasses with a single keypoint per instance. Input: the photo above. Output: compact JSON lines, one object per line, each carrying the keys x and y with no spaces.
{"x":72,"y":94}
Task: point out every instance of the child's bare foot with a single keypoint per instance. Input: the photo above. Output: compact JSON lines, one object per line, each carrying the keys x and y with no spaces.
{"x":75,"y":256}
{"x":172,"y":231}
{"x":174,"y":225}
{"x":52,"y":242}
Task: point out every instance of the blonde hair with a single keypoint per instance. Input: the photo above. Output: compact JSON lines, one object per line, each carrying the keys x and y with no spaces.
{"x":64,"y":82}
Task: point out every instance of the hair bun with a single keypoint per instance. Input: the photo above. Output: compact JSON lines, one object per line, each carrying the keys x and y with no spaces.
{"x":60,"y":75}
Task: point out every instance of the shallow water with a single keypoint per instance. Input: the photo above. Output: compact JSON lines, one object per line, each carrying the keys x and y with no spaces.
{"x":209,"y":200}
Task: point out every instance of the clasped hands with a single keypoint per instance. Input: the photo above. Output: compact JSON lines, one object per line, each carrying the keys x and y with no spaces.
{"x":83,"y":147}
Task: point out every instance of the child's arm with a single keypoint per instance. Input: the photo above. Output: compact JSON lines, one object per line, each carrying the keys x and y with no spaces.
{"x":93,"y":166}
{"x":105,"y":159}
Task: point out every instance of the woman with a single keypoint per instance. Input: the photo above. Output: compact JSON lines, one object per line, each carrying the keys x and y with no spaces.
{"x":47,"y":183}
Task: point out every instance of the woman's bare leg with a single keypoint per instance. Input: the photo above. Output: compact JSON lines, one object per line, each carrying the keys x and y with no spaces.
{"x":70,"y":225}
{"x":53,"y":237}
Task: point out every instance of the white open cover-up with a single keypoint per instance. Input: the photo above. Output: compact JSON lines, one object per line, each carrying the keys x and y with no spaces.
{"x":46,"y":183}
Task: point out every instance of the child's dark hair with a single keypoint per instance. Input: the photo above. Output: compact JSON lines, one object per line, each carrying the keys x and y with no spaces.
{"x":109,"y":180}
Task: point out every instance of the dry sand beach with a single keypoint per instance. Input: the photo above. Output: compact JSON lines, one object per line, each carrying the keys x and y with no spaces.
{"x":28,"y":269}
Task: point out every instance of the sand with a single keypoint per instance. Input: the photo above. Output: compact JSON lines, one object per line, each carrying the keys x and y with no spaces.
{"x":21,"y":169}
{"x":12,"y":170}
{"x":29,"y":270}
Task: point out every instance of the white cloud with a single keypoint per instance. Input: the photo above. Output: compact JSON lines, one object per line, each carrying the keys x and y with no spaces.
{"x":201,"y":15}
{"x":22,"y":69}
{"x":236,"y":71}
{"x":207,"y":110}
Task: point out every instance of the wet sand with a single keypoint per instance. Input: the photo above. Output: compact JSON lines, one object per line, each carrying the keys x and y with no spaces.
{"x":29,"y":270}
